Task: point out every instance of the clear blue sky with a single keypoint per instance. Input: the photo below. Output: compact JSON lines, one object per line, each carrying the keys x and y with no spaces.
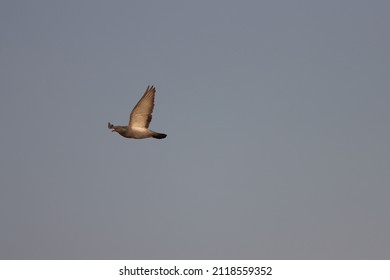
{"x":277,"y":115}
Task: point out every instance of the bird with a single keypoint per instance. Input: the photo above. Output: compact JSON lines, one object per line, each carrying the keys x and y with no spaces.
{"x":140,"y":118}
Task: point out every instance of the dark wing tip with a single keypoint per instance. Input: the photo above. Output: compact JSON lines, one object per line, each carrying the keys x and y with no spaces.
{"x":152,"y":88}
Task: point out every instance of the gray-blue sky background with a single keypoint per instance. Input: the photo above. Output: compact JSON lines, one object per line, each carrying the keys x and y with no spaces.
{"x":277,"y":115}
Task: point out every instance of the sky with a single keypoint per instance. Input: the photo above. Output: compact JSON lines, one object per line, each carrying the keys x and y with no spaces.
{"x":277,"y":116}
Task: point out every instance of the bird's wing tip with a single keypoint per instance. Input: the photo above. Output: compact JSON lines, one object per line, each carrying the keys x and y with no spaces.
{"x":151,"y":87}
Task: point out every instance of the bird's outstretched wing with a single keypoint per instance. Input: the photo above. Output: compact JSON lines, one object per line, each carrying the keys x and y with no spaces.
{"x":141,"y":115}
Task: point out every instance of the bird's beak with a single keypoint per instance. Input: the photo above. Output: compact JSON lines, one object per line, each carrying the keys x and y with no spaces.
{"x":113,"y":130}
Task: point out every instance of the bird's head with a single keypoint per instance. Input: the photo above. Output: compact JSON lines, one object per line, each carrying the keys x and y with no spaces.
{"x":117,"y":128}
{"x":111,"y":126}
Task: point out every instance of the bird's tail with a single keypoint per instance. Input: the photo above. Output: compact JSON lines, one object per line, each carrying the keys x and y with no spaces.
{"x":158,"y":135}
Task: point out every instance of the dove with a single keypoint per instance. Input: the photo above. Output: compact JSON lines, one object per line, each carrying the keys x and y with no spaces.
{"x":140,"y":118}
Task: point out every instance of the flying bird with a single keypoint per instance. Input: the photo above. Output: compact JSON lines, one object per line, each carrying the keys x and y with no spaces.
{"x":140,"y":118}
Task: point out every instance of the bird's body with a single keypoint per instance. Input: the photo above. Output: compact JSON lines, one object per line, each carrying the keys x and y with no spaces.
{"x":140,"y":118}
